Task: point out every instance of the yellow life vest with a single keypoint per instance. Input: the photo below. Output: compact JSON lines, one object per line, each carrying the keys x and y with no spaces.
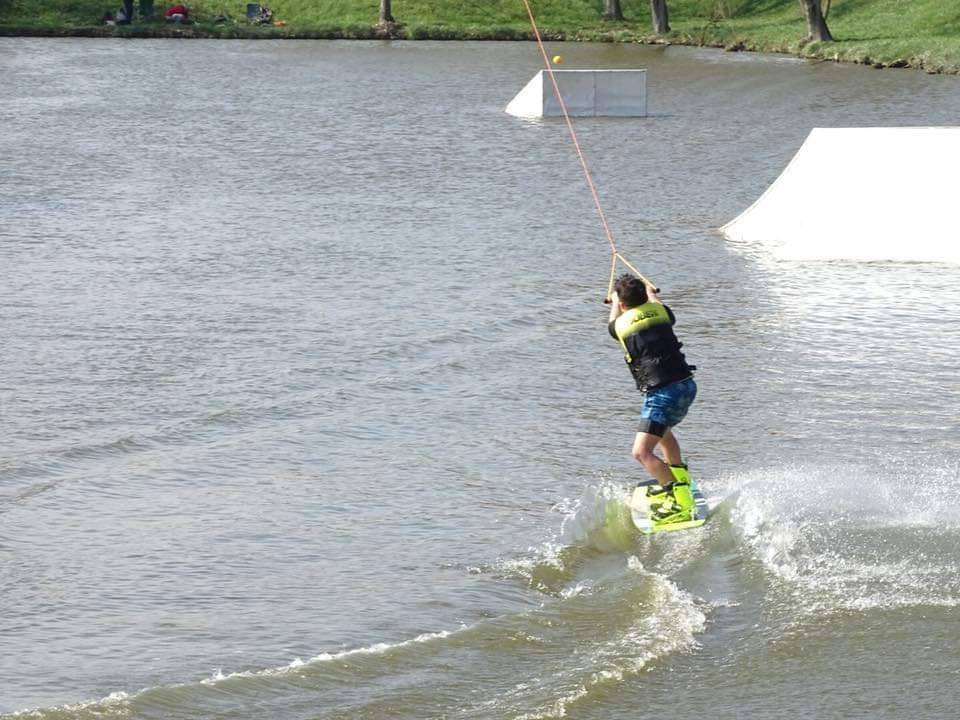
{"x":637,"y":319}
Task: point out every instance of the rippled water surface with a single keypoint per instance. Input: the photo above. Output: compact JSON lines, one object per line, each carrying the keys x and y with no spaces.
{"x":309,"y":411}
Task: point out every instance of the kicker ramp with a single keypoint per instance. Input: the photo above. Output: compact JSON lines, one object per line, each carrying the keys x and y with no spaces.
{"x":862,"y":194}
{"x":586,"y":93}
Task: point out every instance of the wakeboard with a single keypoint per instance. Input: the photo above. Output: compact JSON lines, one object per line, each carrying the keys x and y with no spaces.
{"x":644,"y":522}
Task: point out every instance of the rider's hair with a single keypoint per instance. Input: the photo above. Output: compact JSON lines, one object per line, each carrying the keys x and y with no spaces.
{"x":630,"y":290}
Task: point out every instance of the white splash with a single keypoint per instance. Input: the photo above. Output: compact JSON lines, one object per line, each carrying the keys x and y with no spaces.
{"x":847,"y":540}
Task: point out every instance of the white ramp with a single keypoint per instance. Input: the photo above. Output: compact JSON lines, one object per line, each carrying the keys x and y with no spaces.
{"x":586,"y":93}
{"x":862,"y":194}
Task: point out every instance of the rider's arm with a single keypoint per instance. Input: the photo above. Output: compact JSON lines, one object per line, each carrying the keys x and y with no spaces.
{"x":615,"y":310}
{"x":654,"y":298}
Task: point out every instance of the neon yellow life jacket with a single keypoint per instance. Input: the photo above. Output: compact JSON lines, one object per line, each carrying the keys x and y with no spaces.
{"x":651,"y":350}
{"x":638,"y":319}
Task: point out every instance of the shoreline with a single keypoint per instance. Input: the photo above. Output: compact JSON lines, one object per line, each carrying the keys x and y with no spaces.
{"x":804,"y":51}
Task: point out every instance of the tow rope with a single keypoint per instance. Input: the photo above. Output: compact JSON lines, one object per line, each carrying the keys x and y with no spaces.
{"x":614,"y":253}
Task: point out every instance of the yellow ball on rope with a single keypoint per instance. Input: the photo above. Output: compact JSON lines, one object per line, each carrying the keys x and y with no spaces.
{"x":557,"y":60}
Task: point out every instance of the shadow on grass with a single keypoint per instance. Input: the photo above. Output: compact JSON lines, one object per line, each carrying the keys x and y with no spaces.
{"x":750,"y":7}
{"x":951,"y":28}
{"x":863,"y":38}
{"x":842,"y":8}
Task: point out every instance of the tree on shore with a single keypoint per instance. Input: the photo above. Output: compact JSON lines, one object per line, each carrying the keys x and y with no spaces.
{"x":661,"y":21}
{"x":612,"y":10}
{"x":386,"y":16}
{"x":816,"y":21}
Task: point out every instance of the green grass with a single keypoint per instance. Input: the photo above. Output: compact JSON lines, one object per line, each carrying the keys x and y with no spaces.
{"x":918,"y":33}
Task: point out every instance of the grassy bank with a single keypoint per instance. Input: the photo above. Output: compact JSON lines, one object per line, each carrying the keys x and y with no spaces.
{"x":922,"y":34}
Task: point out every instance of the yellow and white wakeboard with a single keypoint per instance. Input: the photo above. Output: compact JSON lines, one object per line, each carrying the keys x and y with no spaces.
{"x":644,"y":522}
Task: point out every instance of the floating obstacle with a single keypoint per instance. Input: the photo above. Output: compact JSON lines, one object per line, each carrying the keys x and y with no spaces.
{"x":586,"y":93}
{"x":862,"y":194}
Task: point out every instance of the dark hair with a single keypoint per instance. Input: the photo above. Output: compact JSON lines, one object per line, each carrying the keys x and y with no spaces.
{"x":631,"y":290}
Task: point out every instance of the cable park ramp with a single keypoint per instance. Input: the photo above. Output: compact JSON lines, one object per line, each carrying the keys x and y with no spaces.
{"x":585,"y":93}
{"x":865,"y":194}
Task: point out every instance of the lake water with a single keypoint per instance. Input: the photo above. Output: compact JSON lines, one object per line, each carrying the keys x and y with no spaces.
{"x":309,"y":411}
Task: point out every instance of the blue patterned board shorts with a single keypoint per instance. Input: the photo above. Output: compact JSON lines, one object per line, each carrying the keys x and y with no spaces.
{"x":666,"y":406}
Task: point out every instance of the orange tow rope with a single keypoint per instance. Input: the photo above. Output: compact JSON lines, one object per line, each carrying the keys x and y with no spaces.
{"x":615,"y":254}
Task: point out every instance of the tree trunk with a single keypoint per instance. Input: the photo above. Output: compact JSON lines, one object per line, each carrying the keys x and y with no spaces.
{"x":386,"y":17}
{"x":661,"y":22}
{"x":612,"y":10}
{"x":816,"y":24}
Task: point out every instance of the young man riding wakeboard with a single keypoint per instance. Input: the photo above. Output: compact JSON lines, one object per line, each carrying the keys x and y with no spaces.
{"x":643,"y":326}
